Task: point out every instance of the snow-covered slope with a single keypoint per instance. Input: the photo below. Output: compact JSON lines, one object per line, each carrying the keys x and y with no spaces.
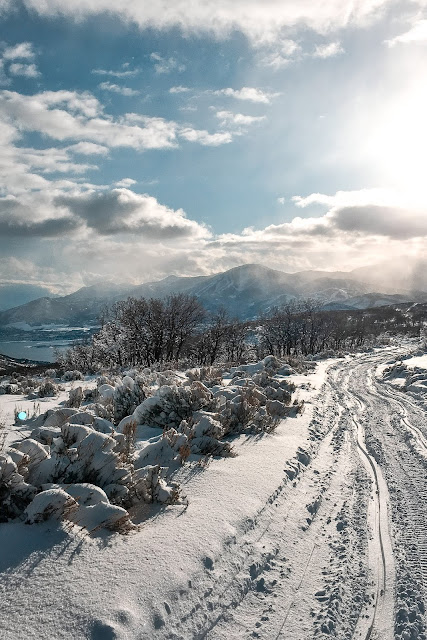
{"x":245,"y":291}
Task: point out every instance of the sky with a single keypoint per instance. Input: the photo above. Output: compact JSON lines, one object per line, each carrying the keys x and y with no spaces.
{"x":142,"y":139}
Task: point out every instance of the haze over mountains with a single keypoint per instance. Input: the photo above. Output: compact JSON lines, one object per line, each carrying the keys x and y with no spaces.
{"x":245,"y":291}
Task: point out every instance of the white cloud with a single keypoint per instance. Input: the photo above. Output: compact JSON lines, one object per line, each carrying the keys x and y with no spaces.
{"x":26,"y":70}
{"x":281,"y":200}
{"x":115,"y":88}
{"x":179,"y":89}
{"x":417,"y":34}
{"x":83,"y":119}
{"x":239,"y":119}
{"x":88,"y":149}
{"x":259,"y":22}
{"x":205,"y":138}
{"x":250,"y":94}
{"x":278,"y":55}
{"x":19,"y":51}
{"x":166,"y":65}
{"x":328,"y":50}
{"x":125,"y":182}
{"x":124,"y":73}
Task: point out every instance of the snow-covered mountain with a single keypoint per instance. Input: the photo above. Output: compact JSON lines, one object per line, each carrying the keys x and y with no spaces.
{"x":245,"y":291}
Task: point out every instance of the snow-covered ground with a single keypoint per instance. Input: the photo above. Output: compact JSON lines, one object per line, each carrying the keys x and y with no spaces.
{"x":313,"y":530}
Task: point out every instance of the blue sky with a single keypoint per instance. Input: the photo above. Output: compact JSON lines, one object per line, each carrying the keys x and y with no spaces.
{"x":142,"y":139}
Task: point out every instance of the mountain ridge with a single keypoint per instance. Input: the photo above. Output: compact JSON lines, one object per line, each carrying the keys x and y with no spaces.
{"x":245,"y":291}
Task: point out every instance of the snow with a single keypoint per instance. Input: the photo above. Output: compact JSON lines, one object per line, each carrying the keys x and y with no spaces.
{"x":269,"y":542}
{"x":419,"y":362}
{"x":130,"y":571}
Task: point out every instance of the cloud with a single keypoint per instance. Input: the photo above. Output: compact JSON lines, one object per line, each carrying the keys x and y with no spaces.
{"x":391,"y":222}
{"x":239,"y":119}
{"x":166,"y":65}
{"x":19,"y":51}
{"x":125,"y":73}
{"x":81,"y":216}
{"x":346,"y":236}
{"x":125,"y":182}
{"x":82,"y":118}
{"x":416,"y":35}
{"x":88,"y":149}
{"x":179,"y":89}
{"x":16,"y":220}
{"x":328,"y":50}
{"x":23,"y":271}
{"x":123,"y":211}
{"x":205,"y":138}
{"x":26,"y":70}
{"x":281,"y":200}
{"x":115,"y":88}
{"x":278,"y":55}
{"x":250,"y":94}
{"x":259,"y":22}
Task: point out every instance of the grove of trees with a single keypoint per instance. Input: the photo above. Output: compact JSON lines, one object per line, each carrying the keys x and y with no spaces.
{"x":141,"y":332}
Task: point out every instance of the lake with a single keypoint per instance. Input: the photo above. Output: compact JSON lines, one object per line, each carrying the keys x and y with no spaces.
{"x":39,"y":343}
{"x":41,"y":351}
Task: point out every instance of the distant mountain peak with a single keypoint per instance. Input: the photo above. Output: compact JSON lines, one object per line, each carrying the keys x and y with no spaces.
{"x":246,"y":291}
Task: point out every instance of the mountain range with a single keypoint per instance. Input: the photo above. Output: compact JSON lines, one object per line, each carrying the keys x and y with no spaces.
{"x":245,"y":291}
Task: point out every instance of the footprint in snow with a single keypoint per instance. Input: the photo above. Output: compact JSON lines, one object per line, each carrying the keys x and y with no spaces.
{"x":103,"y":631}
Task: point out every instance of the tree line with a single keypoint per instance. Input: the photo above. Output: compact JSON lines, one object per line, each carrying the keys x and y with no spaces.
{"x":144,"y":332}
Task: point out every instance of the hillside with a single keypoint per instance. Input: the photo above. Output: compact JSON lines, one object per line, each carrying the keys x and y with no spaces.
{"x":245,"y":291}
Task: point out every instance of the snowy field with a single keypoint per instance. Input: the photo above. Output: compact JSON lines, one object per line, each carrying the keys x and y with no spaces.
{"x":307,"y":528}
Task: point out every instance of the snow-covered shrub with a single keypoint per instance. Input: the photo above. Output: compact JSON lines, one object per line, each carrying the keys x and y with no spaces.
{"x":51,"y":373}
{"x":128,"y":394}
{"x":10,"y":388}
{"x":127,"y":445}
{"x":90,"y":395}
{"x":205,"y":436}
{"x":163,"y":449}
{"x":172,"y":404}
{"x":250,"y":411}
{"x":72,"y":375}
{"x":151,"y":487}
{"x":210,"y":376}
{"x":15,"y":492}
{"x":238,"y":413}
{"x":53,"y":503}
{"x":75,"y":397}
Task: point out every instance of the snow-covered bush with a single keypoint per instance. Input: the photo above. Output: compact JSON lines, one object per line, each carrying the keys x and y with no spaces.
{"x":72,"y":375}
{"x":172,"y":404}
{"x":53,"y":503}
{"x":250,"y":411}
{"x":75,"y":397}
{"x":10,"y":388}
{"x":15,"y":492}
{"x":205,"y":435}
{"x":128,"y":394}
{"x":90,"y":395}
{"x":51,"y":373}
{"x":210,"y":376}
{"x":151,"y":487}
{"x":47,"y":389}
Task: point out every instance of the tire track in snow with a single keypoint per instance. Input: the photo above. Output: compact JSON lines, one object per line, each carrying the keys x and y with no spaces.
{"x":415,"y":478}
{"x":380,"y":619}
